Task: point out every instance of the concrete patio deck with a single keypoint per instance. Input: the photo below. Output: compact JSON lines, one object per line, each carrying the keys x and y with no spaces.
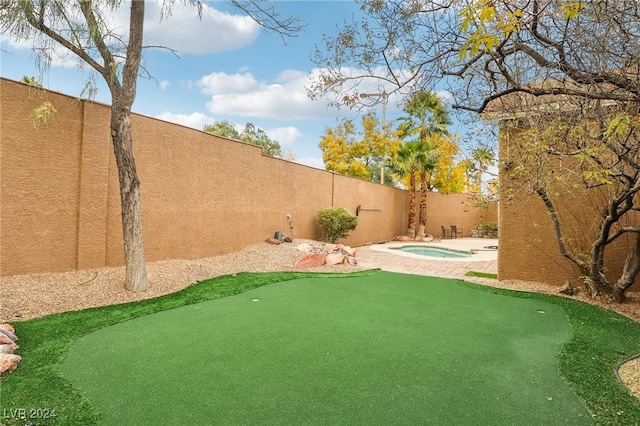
{"x":379,"y":256}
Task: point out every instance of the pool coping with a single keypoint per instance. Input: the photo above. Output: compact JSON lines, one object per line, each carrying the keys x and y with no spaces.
{"x":474,"y":245}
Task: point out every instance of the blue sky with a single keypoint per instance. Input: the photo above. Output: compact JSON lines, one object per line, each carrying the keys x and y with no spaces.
{"x":228,"y":69}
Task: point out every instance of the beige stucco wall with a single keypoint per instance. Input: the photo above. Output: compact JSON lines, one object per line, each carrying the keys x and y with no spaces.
{"x":202,"y":195}
{"x":456,"y":209}
{"x":528,"y":249}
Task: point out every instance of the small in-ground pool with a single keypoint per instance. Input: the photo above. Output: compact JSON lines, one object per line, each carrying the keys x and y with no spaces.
{"x":434,"y":251}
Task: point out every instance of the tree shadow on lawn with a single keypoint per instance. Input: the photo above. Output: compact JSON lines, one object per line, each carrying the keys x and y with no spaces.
{"x":600,"y":339}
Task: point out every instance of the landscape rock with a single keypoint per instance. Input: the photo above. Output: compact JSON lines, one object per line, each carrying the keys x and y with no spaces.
{"x":9,"y":334}
{"x":279,"y":236}
{"x":311,"y":261}
{"x":332,"y":254}
{"x":349,"y":250}
{"x":8,"y":327}
{"x":568,"y":289}
{"x":7,"y":349}
{"x":403,"y":238}
{"x":272,"y":241}
{"x":9,"y":362}
{"x":304,"y":247}
{"x":5,"y":340}
{"x":335,"y":258}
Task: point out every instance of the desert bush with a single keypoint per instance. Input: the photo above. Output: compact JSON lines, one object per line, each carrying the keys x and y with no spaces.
{"x":336,"y":222}
{"x":488,"y":229}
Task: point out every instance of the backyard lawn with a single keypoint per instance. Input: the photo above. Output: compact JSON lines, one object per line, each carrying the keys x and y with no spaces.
{"x":362,"y":348}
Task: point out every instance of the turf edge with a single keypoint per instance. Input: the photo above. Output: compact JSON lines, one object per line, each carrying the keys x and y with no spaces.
{"x":601,"y":339}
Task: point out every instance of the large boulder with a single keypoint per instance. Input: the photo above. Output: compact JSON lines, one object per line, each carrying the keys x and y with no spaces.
{"x":311,"y":261}
{"x":335,"y":258}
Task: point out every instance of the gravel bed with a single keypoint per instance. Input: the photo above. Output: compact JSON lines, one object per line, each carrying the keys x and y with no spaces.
{"x":30,"y":296}
{"x":25,"y":297}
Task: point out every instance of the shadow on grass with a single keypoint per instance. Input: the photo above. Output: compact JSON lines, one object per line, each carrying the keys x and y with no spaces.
{"x":600,"y":340}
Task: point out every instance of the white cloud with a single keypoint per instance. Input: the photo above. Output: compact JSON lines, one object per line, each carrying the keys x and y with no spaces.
{"x":289,"y":75}
{"x":182,"y":30}
{"x":218,"y":83}
{"x":164,"y":84}
{"x":185,"y":32}
{"x":242,"y":95}
{"x":196,"y":120}
{"x":284,"y":135}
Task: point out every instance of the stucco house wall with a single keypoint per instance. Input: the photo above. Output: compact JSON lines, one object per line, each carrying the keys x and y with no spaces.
{"x":528,"y":248}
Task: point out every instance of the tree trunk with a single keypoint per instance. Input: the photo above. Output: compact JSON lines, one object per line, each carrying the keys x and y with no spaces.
{"x":598,"y":286}
{"x":411,"y":229}
{"x":136,"y":272}
{"x":422,"y":222}
{"x":621,"y":287}
{"x":629,"y":273}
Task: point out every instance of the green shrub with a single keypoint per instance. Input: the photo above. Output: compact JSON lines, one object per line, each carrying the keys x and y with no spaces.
{"x":336,"y":223}
{"x":488,"y":229}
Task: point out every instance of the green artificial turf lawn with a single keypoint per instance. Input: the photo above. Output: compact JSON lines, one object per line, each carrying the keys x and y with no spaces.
{"x":481,"y":274}
{"x":599,"y":340}
{"x":382,"y":349}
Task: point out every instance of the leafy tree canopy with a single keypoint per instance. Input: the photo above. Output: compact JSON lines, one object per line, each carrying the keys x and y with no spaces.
{"x":426,"y":124}
{"x":358,"y":152}
{"x":486,"y":50}
{"x":250,"y":134}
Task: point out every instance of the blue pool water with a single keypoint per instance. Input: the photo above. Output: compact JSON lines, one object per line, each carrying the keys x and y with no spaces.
{"x":433,"y":251}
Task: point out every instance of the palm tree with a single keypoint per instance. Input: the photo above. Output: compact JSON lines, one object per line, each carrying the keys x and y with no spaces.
{"x":484,"y":157}
{"x":406,"y":163}
{"x":428,"y":119}
{"x":427,"y":158}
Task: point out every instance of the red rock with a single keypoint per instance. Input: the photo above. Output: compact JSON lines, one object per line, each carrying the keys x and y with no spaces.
{"x":403,"y":238}
{"x":272,"y":241}
{"x":311,"y":261}
{"x":5,"y":340}
{"x":335,"y":258}
{"x":332,"y":247}
{"x":8,"y":327}
{"x":9,"y":362}
{"x":349,"y":250}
